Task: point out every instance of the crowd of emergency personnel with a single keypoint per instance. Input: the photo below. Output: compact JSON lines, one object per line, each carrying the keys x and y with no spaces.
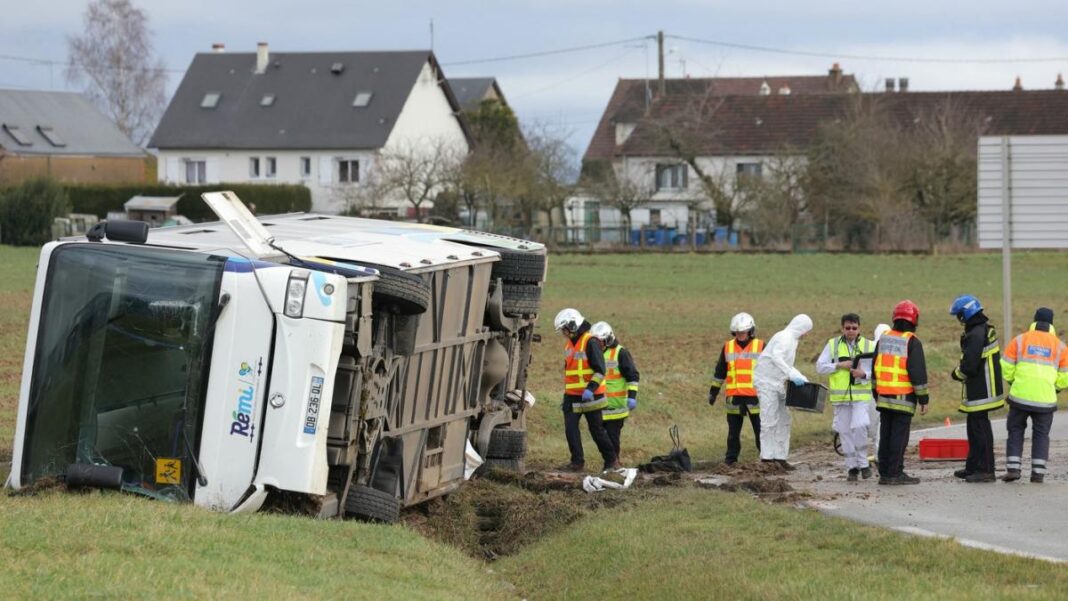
{"x":874,"y":386}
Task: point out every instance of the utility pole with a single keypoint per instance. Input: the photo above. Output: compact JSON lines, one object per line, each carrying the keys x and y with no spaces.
{"x":660,"y":58}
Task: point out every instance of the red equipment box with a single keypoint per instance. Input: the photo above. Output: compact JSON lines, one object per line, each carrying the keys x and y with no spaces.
{"x":943,"y":449}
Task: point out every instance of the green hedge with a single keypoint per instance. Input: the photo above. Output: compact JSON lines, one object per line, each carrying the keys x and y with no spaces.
{"x":269,"y":199}
{"x":27,"y":211}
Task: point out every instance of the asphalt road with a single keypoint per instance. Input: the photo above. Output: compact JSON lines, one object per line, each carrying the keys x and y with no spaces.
{"x":1019,"y":518}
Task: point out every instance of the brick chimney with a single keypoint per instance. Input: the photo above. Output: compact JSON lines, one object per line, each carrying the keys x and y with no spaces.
{"x":834,"y":76}
{"x":218,"y":47}
{"x":1059,"y":84}
{"x":890,"y":85}
{"x":902,"y":84}
{"x":1018,"y":86}
{"x":262,"y":57}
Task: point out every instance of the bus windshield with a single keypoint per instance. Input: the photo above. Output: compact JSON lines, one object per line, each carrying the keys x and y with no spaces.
{"x":121,"y":362}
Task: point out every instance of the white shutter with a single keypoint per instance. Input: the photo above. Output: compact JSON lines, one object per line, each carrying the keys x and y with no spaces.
{"x":211,"y":170}
{"x":172,"y":171}
{"x":326,"y":171}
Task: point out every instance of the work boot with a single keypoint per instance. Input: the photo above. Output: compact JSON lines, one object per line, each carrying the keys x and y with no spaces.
{"x":572,"y":467}
{"x":852,"y":476}
{"x":889,"y":480}
{"x":785,"y":465}
{"x":865,"y":472}
{"x":729,"y":462}
{"x":1038,"y":478}
{"x":907,"y":479}
{"x":962,"y":474}
{"x":615,"y":465}
{"x":980,"y":477}
{"x":1011,"y":476}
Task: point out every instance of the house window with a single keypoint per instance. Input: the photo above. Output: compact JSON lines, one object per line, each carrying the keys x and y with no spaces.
{"x":348,"y":171}
{"x":654,"y":217}
{"x":749,"y":170}
{"x":51,"y":135}
{"x":267,"y":100}
{"x":210,"y":100}
{"x":195,"y":171}
{"x":305,"y":166}
{"x":362,"y":99}
{"x":271,"y":167}
{"x":254,"y":166}
{"x":671,"y":177}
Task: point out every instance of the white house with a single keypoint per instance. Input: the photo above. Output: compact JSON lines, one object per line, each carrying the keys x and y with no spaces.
{"x":321,"y":119}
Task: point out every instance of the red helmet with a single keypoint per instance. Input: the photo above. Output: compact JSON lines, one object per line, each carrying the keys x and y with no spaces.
{"x":908,"y":311}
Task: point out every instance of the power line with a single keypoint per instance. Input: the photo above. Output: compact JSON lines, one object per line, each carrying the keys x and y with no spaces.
{"x":899,"y":59}
{"x":574,"y":76}
{"x":54,"y":63}
{"x":546,"y":52}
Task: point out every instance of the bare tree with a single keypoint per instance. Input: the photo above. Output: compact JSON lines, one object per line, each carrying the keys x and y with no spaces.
{"x":623,"y":189}
{"x":115,"y":58}
{"x":414,"y":173}
{"x":552,"y":170}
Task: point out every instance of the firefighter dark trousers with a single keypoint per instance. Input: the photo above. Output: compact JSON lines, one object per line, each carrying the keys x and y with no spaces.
{"x":734,"y":434}
{"x":597,"y":432}
{"x":1017,"y":424}
{"x":894,"y":429}
{"x":980,"y":444}
{"x":614,"y":428}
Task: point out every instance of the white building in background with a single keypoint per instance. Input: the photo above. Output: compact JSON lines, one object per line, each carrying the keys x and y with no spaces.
{"x":321,"y":119}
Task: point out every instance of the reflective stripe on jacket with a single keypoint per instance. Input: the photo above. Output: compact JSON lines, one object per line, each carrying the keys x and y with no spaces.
{"x":1035,"y":364}
{"x":615,"y":386}
{"x":982,"y":388}
{"x":843,"y":387}
{"x":577,"y":374}
{"x":892,"y":384}
{"x":739,"y":381}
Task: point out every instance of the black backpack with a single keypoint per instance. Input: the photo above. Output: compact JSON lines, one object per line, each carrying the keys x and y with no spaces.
{"x":678,"y":460}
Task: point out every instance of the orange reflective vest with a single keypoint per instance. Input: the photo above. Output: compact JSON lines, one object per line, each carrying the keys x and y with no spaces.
{"x":892,"y":383}
{"x":739,"y":383}
{"x":577,"y":374}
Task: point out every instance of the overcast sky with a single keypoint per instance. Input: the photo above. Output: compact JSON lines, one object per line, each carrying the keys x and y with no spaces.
{"x":569,"y":91}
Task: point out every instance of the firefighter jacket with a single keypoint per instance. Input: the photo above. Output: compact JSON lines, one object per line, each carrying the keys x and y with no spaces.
{"x":584,"y":368}
{"x":979,"y":370}
{"x":620,"y":381}
{"x":843,"y":386}
{"x":1036,"y":366}
{"x":734,"y":373}
{"x":900,"y":372}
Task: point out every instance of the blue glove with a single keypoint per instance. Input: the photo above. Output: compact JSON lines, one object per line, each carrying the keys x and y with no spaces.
{"x":632,"y":404}
{"x":799,"y":381}
{"x":587,"y":395}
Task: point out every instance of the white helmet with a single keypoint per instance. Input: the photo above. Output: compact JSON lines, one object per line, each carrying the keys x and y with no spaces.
{"x":880,"y":330}
{"x":604,"y":332}
{"x":569,"y":319}
{"x":742,"y":322}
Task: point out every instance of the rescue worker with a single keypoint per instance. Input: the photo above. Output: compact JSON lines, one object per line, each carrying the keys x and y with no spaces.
{"x":850,"y":392}
{"x":900,"y":384}
{"x":873,"y":413}
{"x":1035,"y":365}
{"x":735,"y":368}
{"x":773,"y":368}
{"x":979,"y":372}
{"x":620,"y":383}
{"x":584,"y":389}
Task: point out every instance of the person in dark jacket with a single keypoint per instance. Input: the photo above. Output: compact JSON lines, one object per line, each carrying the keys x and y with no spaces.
{"x":979,"y":372}
{"x":621,"y":383}
{"x":734,"y":371}
{"x":584,"y":388}
{"x":900,"y":370}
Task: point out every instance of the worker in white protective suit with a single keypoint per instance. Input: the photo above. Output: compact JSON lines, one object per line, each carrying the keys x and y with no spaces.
{"x":773,"y":368}
{"x":873,"y":413}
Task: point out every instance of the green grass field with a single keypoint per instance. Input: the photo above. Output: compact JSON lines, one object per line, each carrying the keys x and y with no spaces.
{"x":673,"y":312}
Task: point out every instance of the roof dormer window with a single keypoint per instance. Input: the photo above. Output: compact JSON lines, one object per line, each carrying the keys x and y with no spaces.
{"x":765,"y":89}
{"x":362,"y":99}
{"x":18,"y":134}
{"x":51,"y":135}
{"x":211,"y":100}
{"x":267,"y":100}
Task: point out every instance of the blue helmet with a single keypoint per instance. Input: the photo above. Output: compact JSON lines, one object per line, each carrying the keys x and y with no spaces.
{"x":965,"y":307}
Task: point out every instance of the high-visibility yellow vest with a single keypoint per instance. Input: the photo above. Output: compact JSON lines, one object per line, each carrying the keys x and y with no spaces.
{"x":615,"y":386}
{"x":1035,"y":364}
{"x":987,"y":403}
{"x":577,"y":374}
{"x":892,"y":383}
{"x":739,"y":382}
{"x":841,"y":391}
